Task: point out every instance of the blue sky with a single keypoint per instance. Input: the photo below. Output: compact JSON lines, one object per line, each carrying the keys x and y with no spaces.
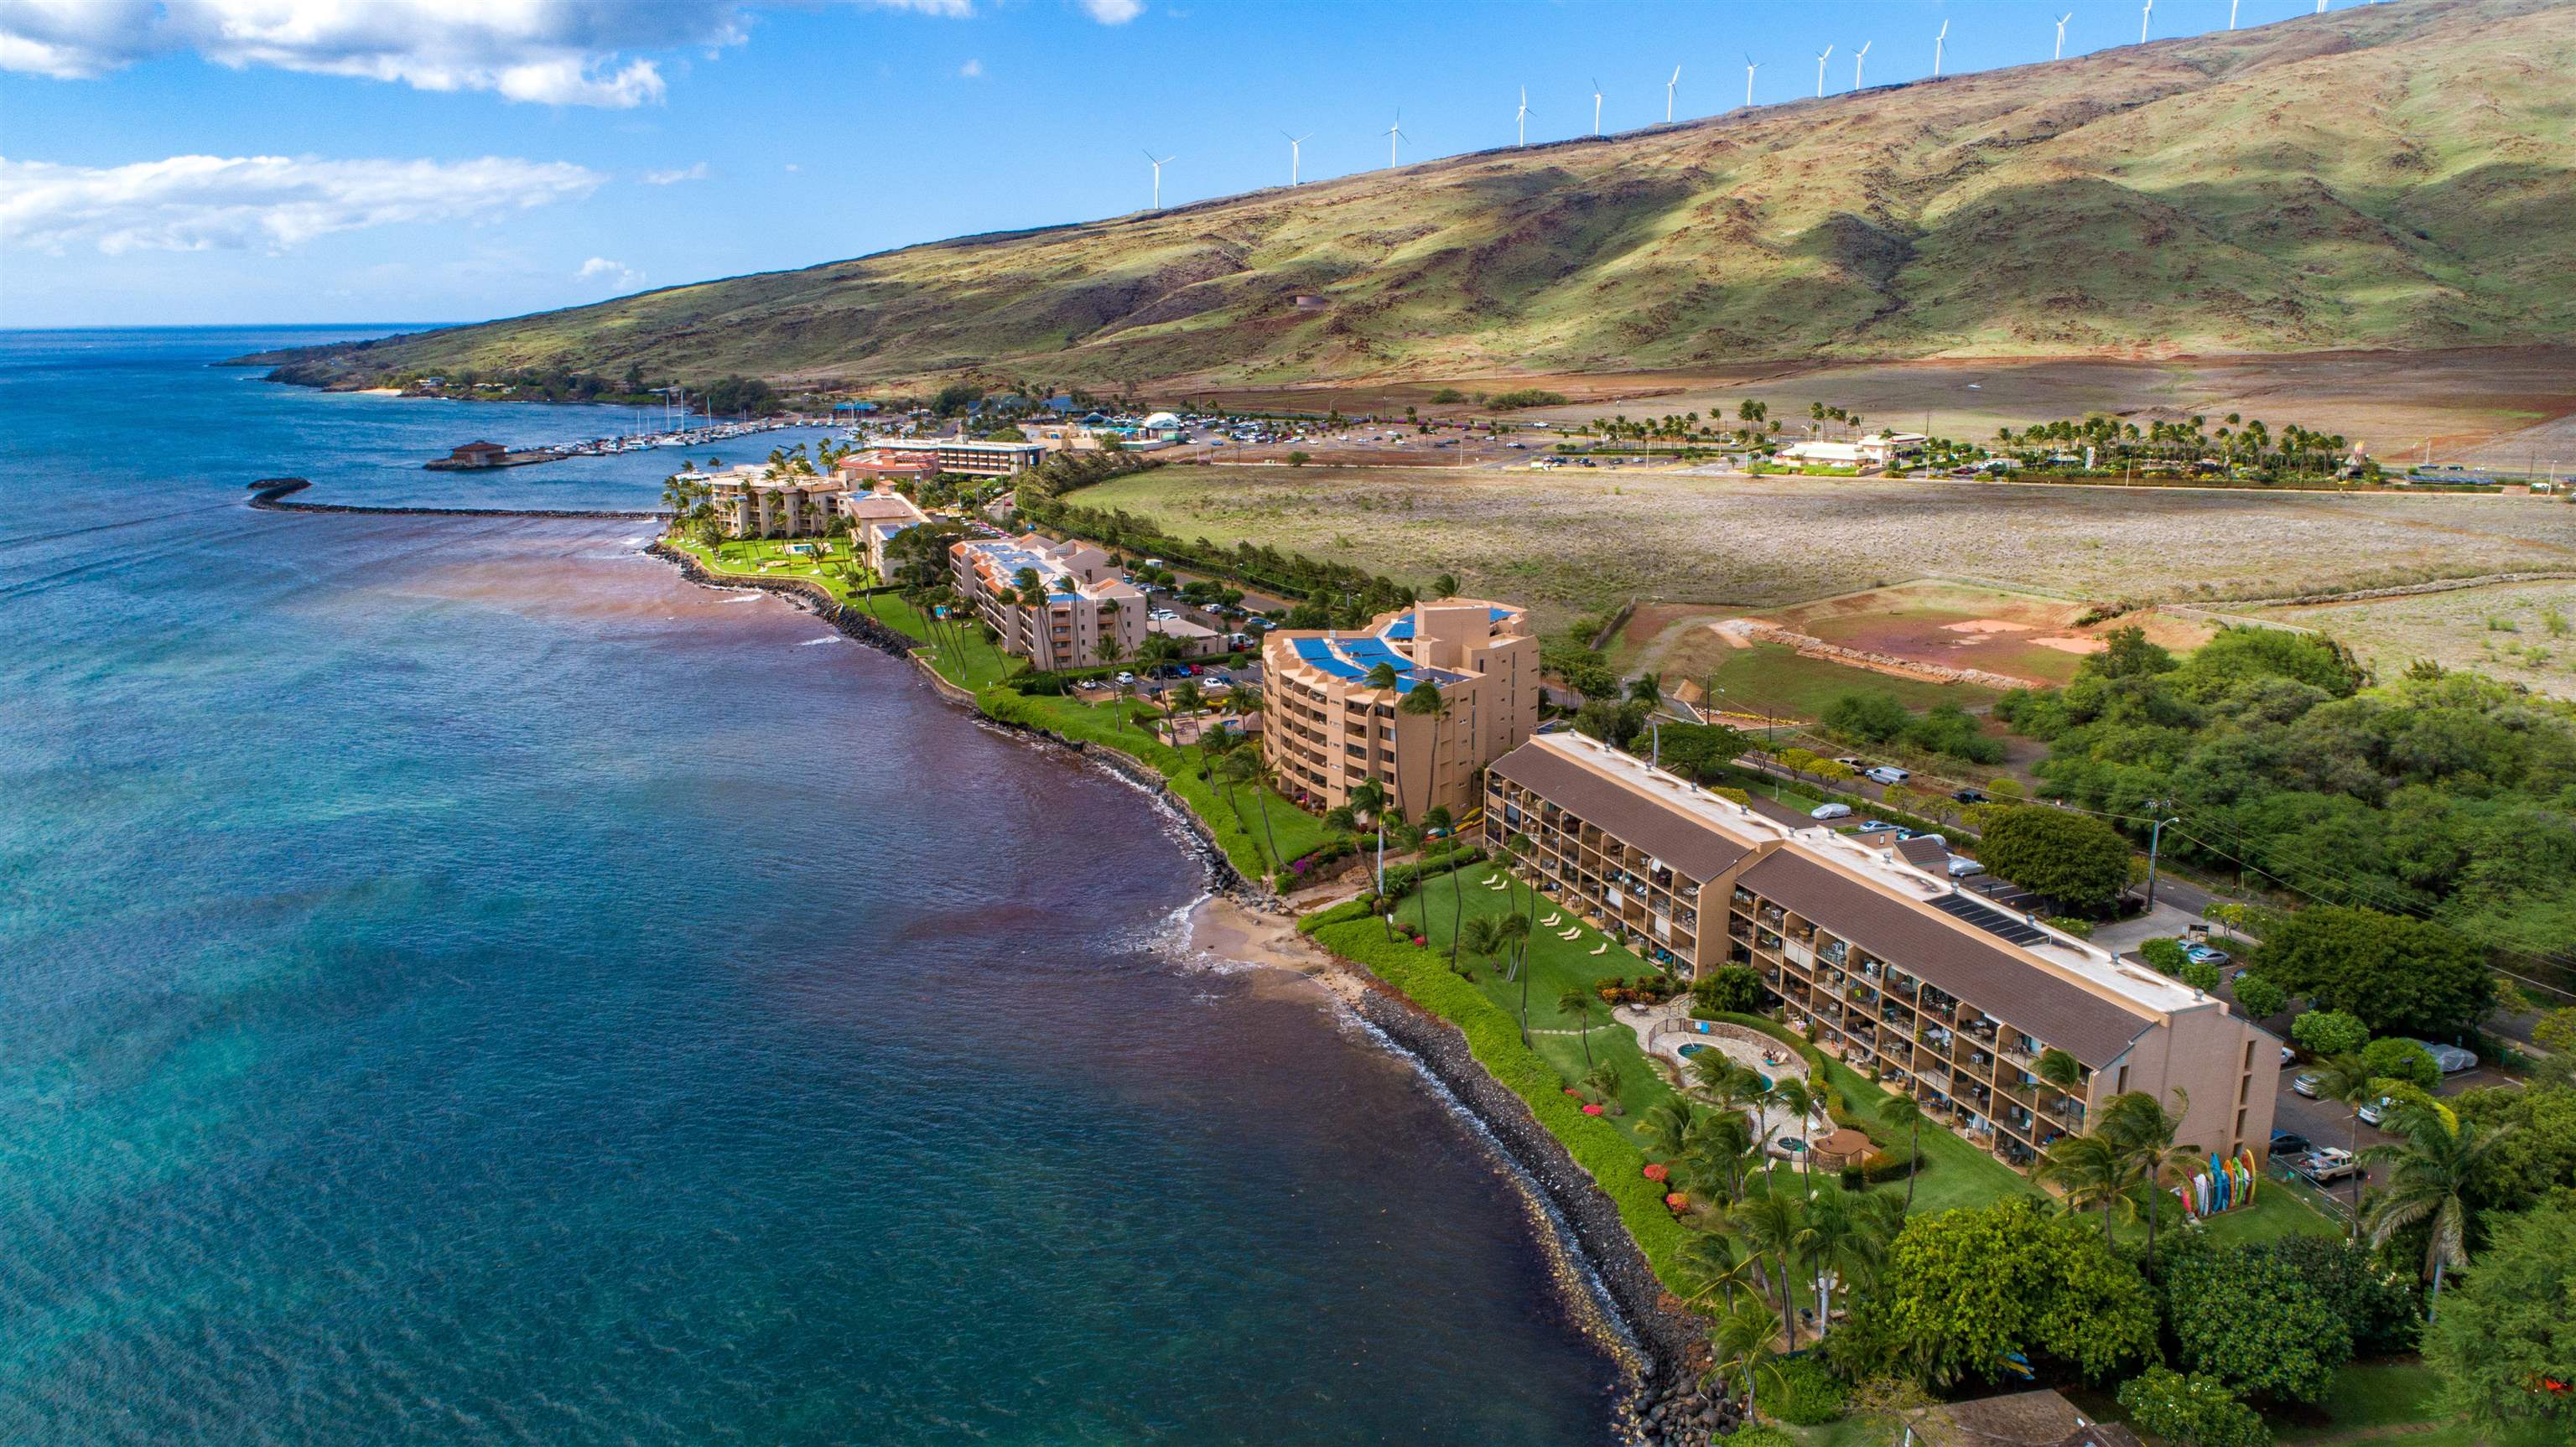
{"x":562,"y":151}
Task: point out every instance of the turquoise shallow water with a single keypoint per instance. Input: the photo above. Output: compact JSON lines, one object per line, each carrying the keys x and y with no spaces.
{"x":459,"y":984}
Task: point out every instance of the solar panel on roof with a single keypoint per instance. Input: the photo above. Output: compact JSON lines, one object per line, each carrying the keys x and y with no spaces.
{"x":1319,"y":653}
{"x":1990,"y":919}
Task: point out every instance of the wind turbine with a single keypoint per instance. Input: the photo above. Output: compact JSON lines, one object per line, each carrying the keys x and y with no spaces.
{"x":1596,"y":105}
{"x":1749,"y":68}
{"x":2143,"y":17}
{"x":2061,"y":33}
{"x":1936,"y":49}
{"x":1394,"y":133}
{"x":1293,"y":143}
{"x":1521,"y":117}
{"x":1820,"y":71}
{"x":2231,"y":14}
{"x":1858,"y":61}
{"x":1668,"y":94}
{"x":1158,"y":176}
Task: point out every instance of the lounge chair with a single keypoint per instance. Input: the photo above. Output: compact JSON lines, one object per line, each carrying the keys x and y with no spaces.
{"x":1554,"y":918}
{"x":1601,"y":948}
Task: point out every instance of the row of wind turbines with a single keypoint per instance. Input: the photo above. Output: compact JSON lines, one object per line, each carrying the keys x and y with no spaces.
{"x":1395,"y":136}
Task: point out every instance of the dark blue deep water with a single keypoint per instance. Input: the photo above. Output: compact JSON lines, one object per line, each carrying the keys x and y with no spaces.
{"x":460,"y":984}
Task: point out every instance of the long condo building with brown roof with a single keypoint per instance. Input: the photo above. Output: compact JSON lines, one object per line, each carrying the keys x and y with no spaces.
{"x":1920,"y":986}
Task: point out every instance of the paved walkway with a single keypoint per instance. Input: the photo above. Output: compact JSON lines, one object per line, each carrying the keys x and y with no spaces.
{"x":1663,"y":1030}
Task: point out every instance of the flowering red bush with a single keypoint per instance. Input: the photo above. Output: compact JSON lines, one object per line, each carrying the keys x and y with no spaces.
{"x":1657,"y":1172}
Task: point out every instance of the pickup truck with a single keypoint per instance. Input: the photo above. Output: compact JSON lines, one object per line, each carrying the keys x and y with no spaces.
{"x":2327,"y":1163}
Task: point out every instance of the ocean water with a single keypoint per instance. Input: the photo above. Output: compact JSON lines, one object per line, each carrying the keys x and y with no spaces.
{"x":460,"y":984}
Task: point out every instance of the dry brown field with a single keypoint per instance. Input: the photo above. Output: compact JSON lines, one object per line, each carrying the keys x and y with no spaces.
{"x":2519,"y":632}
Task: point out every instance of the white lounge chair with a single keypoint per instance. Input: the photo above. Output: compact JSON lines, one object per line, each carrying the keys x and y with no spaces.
{"x":1574,"y":933}
{"x":1554,"y":919}
{"x":1601,"y":947}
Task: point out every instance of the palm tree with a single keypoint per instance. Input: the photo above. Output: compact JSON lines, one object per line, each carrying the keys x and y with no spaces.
{"x":1382,"y":676}
{"x":1516,"y":930}
{"x":1741,"y":1345}
{"x":1603,"y":1080}
{"x":1844,"y":1240}
{"x":2344,"y":1080}
{"x":1717,"y":1147}
{"x":1246,"y":767}
{"x":2142,"y":1130}
{"x":1646,"y":688}
{"x":1425,"y":702}
{"x":1109,"y":652}
{"x":2089,"y":1169}
{"x":2429,"y":1177}
{"x":1904,"y":1111}
{"x":1667,"y":1126}
{"x":1578,"y":1003}
{"x":1795,"y":1099}
{"x":1775,"y":1224}
{"x":1712,"y":1262}
{"x":1482,"y":935}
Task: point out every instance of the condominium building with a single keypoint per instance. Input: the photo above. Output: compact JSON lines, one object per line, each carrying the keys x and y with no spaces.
{"x":1325,"y":730}
{"x":750,"y":502}
{"x":965,"y":455}
{"x":875,"y":520}
{"x":1087,"y":602}
{"x":1924,"y":988}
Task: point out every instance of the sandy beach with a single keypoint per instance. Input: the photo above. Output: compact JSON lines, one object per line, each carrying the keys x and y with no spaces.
{"x":1221,"y":928}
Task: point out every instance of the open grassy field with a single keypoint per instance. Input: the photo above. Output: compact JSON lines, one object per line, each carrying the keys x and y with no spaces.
{"x":1569,"y":545}
{"x":1773,"y":679}
{"x":2520,"y":632}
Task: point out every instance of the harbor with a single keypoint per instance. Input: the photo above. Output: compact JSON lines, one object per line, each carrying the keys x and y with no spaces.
{"x":480,"y":455}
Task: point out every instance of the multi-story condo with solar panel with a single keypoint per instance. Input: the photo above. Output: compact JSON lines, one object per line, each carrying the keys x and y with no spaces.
{"x":1325,"y":727}
{"x":1870,"y":945}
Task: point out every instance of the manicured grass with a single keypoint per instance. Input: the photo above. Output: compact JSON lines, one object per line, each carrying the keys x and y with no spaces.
{"x":742,"y":558}
{"x":2275,"y":1213}
{"x":1954,"y":1171}
{"x":1554,"y":967}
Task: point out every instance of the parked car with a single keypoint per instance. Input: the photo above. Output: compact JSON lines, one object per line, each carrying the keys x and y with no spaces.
{"x":1972,"y":796}
{"x":2290,"y":1143}
{"x":1126,"y":677}
{"x":1886,"y":774}
{"x":1855,"y":765}
{"x":1873,"y":826}
{"x":2378,"y":1110}
{"x":2328,"y":1163}
{"x":1961,"y":867}
{"x":2305,"y":1083}
{"x":2204,"y":955}
{"x":1830,"y":811}
{"x":2451,"y":1058}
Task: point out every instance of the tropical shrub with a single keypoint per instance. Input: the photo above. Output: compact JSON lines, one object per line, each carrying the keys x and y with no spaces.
{"x":1731,"y":989}
{"x":2191,"y":1411}
{"x":2400,"y":1059}
{"x":2249,"y":1320}
{"x":2324,"y":1033}
{"x":2259,"y":998}
{"x":2510,"y":1323}
{"x":1804,"y":1393}
{"x":2165,"y":954}
{"x":2075,"y":859}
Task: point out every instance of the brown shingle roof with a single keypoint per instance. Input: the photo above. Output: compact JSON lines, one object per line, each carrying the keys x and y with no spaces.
{"x":1685,"y":843}
{"x":1924,"y":851}
{"x":1953,"y":957}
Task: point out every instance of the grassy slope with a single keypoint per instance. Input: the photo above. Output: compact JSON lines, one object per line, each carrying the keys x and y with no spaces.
{"x":2384,"y":176}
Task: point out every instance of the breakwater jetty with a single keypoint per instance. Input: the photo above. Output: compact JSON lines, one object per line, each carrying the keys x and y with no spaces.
{"x":277,"y":494}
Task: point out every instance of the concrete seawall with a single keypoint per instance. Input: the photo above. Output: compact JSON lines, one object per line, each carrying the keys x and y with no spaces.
{"x":269,"y":494}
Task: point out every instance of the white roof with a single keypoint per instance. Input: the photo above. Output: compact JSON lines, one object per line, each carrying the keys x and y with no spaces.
{"x":1162,"y":419}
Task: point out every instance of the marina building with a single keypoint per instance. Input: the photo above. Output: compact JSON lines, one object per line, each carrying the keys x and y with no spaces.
{"x":752,"y":503}
{"x":1325,"y":729}
{"x":1871,"y":946}
{"x":1084,"y":614}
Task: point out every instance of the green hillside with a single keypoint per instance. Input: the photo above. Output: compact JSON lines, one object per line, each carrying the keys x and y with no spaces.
{"x":2388,"y":176}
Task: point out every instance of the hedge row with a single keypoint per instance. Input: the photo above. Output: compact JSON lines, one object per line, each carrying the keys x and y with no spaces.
{"x":1598,"y":1144}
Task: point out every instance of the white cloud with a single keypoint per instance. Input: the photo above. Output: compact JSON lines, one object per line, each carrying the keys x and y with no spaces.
{"x":1113,"y":12}
{"x":555,"y":52}
{"x":201,"y":203}
{"x":618,"y":275}
{"x":697,"y":172}
{"x":971,"y":69}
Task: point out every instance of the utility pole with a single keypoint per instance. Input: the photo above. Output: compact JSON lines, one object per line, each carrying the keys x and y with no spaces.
{"x":2155,"y":842}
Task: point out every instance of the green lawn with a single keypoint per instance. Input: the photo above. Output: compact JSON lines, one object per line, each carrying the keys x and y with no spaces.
{"x":1776,"y":679}
{"x":1555,"y":966}
{"x":1954,"y":1172}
